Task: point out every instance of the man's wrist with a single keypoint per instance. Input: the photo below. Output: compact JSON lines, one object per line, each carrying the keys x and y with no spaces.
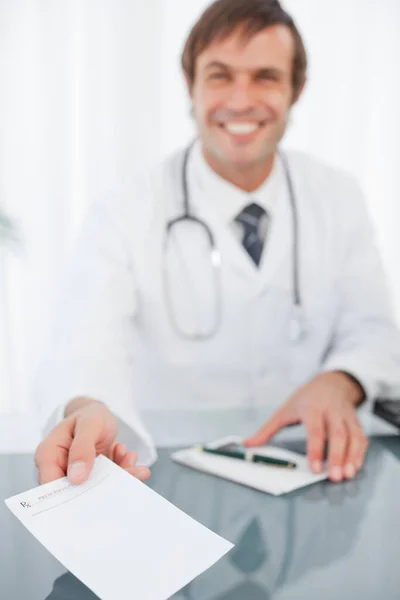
{"x":357,"y":393}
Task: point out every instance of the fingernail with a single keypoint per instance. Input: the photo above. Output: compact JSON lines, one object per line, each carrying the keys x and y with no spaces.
{"x":77,"y":470}
{"x":317,"y":466}
{"x":349,"y":471}
{"x":122,"y":449}
{"x":336,"y":473}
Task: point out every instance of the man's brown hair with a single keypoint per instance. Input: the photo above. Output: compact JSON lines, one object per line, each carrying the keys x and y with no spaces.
{"x":223,"y":17}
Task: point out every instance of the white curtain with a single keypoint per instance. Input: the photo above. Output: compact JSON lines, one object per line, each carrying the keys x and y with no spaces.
{"x":79,"y":104}
{"x":90,"y":88}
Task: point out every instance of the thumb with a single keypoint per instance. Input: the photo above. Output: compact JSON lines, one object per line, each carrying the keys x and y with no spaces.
{"x":82,"y":452}
{"x":279,"y":420}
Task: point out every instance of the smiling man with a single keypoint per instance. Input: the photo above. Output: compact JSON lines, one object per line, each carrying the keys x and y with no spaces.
{"x":232,"y":277}
{"x":243,"y":83}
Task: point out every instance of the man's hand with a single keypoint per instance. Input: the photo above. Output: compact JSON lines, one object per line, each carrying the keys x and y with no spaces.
{"x":88,"y":430}
{"x":327,"y":407}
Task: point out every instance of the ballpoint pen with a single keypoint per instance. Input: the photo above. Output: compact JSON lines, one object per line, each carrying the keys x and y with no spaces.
{"x":250,"y":456}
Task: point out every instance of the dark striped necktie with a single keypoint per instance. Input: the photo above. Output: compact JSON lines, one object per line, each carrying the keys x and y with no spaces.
{"x":253,"y":220}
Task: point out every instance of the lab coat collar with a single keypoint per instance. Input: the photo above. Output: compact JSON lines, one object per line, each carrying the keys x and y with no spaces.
{"x":213,"y":196}
{"x":229,"y":199}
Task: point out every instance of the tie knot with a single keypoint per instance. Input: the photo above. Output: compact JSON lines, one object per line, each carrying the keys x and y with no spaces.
{"x":251,"y":215}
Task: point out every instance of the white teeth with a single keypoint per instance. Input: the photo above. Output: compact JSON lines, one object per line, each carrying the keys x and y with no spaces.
{"x":241,"y":128}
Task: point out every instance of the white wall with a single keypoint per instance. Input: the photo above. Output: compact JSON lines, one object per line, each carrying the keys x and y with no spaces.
{"x":79,"y":104}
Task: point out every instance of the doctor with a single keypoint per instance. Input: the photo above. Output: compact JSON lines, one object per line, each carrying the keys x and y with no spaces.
{"x":231,"y":276}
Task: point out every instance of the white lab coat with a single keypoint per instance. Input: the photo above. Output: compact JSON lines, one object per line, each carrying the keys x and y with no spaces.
{"x":113,"y":339}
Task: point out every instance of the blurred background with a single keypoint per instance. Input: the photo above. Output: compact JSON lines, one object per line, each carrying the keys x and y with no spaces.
{"x":92,"y":88}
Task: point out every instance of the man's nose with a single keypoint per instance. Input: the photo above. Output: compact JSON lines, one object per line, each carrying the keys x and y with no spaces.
{"x":241,"y":97}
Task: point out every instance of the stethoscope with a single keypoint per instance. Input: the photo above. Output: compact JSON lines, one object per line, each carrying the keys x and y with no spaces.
{"x":297,"y":324}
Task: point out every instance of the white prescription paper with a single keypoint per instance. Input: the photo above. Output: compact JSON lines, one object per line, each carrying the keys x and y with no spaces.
{"x":265,"y":478}
{"x":118,"y":536}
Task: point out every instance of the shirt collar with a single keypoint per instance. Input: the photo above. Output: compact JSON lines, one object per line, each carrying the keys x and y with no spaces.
{"x":230,"y":200}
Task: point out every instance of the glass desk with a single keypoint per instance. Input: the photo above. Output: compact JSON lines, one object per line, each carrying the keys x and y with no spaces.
{"x":325,"y":542}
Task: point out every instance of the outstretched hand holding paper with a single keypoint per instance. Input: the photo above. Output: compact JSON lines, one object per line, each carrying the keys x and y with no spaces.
{"x":119,"y":537}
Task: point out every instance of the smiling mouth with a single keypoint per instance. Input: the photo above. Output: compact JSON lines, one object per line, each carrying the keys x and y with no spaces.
{"x":243,"y":128}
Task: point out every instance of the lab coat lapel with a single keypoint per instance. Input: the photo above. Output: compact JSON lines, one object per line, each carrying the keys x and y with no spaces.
{"x":279,"y":240}
{"x":205,"y":205}
{"x":232,"y":252}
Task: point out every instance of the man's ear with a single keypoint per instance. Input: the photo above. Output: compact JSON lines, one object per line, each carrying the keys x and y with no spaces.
{"x":299,"y":92}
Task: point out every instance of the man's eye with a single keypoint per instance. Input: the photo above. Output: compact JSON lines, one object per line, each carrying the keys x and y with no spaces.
{"x":218,"y":76}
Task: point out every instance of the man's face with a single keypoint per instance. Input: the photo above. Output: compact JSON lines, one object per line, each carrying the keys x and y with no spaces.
{"x":242,"y":95}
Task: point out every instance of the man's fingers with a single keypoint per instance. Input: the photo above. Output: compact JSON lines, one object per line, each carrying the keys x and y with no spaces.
{"x":338,"y":445}
{"x":316,"y":437}
{"x":142,"y":473}
{"x":128,"y":462}
{"x":118,"y":453}
{"x":279,"y":420}
{"x":51,"y":455}
{"x":357,"y":448}
{"x":49,"y":472}
{"x":83,"y":449}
